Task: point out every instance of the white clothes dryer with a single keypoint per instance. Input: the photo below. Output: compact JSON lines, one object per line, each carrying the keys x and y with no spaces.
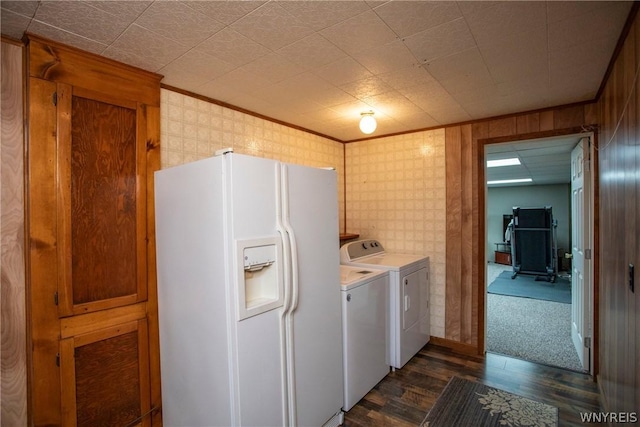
{"x":365,"y":330}
{"x":408,"y":295}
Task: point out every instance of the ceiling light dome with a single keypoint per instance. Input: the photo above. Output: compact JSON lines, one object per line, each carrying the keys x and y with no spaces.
{"x":368,"y":123}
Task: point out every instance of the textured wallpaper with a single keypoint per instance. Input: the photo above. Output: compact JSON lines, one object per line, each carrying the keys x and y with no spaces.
{"x":193,"y":129}
{"x":395,"y":193}
{"x":395,"y":186}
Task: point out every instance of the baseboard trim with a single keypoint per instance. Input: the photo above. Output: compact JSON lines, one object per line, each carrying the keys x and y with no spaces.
{"x":455,"y":346}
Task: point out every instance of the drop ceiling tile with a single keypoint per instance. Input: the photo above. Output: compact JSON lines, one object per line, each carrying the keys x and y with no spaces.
{"x":232,"y":47}
{"x":471,"y":7}
{"x":582,"y":55}
{"x":351,"y":110}
{"x":331,"y":97}
{"x":178,"y":22}
{"x":418,"y":120}
{"x":407,"y":77}
{"x":311,"y":52}
{"x":81,"y":19}
{"x":450,"y":115}
{"x":142,"y":48}
{"x":342,"y":71}
{"x":271,"y":26}
{"x":193,"y":69}
{"x":461,"y":71}
{"x":226,"y":12}
{"x":587,"y":27}
{"x":392,"y":104}
{"x":240,"y":81}
{"x":430,"y":96}
{"x":322,"y":14}
{"x":13,"y":25}
{"x":450,"y":37}
{"x":506,"y":19}
{"x":62,"y":36}
{"x":362,"y":32}
{"x":561,"y":10}
{"x":122,"y":9}
{"x":407,"y":18}
{"x":24,"y":8}
{"x":386,"y":58}
{"x":521,"y":56}
{"x":366,"y":87}
{"x":272,"y":67}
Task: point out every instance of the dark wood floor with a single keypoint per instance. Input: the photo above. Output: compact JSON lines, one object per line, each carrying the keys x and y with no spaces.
{"x":404,"y":397}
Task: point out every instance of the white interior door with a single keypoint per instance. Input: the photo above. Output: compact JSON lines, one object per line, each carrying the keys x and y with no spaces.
{"x":580,"y":251}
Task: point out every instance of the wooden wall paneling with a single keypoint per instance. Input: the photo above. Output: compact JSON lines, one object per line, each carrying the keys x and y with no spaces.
{"x":467,"y":320}
{"x":528,"y":123}
{"x":631,"y":235}
{"x":153,"y":164}
{"x":42,"y":253}
{"x":479,"y":132}
{"x":618,"y":377}
{"x":453,"y":164}
{"x":13,"y":351}
{"x":502,"y":127}
{"x":546,"y":120}
{"x":568,"y":117}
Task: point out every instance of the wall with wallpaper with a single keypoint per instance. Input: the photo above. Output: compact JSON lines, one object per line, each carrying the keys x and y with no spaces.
{"x":395,"y":186}
{"x":193,"y":129}
{"x":395,"y":192}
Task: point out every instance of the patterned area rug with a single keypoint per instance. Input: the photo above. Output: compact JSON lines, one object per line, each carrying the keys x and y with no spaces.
{"x":467,"y":403}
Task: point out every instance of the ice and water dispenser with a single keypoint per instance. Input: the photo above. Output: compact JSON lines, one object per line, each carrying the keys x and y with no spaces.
{"x":259,"y":276}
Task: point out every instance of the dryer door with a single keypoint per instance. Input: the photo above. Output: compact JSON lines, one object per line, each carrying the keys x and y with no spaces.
{"x":411,"y":299}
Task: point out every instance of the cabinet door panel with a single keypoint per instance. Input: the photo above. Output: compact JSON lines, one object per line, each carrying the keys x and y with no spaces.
{"x":103,"y":200}
{"x":101,"y":208}
{"x":103,"y":377}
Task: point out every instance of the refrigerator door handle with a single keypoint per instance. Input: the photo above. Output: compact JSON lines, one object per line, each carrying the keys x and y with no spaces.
{"x":283,"y":194}
{"x":286,"y":306}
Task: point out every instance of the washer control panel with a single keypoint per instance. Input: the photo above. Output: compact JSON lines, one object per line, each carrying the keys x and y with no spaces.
{"x":360,"y":248}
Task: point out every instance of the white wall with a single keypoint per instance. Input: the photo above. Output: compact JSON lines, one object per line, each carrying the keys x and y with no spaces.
{"x":501,"y":201}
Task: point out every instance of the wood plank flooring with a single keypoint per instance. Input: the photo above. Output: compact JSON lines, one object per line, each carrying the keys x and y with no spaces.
{"x":404,"y":397}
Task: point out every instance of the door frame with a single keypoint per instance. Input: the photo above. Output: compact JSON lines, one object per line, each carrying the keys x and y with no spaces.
{"x":481,"y":188}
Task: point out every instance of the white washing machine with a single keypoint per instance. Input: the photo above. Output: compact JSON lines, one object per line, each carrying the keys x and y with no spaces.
{"x":365,"y":330}
{"x":408,"y":295}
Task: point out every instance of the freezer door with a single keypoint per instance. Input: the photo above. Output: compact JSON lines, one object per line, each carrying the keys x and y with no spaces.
{"x":257,"y":334}
{"x":317,"y":321}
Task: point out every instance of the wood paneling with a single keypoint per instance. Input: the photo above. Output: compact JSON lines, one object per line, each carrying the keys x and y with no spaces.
{"x":13,"y":353}
{"x":464,"y":145}
{"x":619,"y":209}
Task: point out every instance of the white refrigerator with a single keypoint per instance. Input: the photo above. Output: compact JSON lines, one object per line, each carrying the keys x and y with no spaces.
{"x":249,"y":293}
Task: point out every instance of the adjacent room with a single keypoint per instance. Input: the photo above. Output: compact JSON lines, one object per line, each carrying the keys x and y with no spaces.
{"x":274,"y":212}
{"x":529,"y":293}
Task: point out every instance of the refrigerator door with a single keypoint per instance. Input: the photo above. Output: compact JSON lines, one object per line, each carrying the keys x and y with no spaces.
{"x":317,"y":319}
{"x":257,"y":341}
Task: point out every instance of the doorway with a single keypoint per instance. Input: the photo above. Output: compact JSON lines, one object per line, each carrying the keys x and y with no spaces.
{"x":533,"y":327}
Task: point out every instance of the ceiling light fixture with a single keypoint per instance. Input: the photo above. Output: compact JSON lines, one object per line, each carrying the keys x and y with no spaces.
{"x":503,"y":162}
{"x":368,"y":122}
{"x":509,"y":181}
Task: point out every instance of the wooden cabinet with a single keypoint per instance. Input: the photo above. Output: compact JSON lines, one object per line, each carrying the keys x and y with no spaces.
{"x":93,"y":145}
{"x":503,"y":257}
